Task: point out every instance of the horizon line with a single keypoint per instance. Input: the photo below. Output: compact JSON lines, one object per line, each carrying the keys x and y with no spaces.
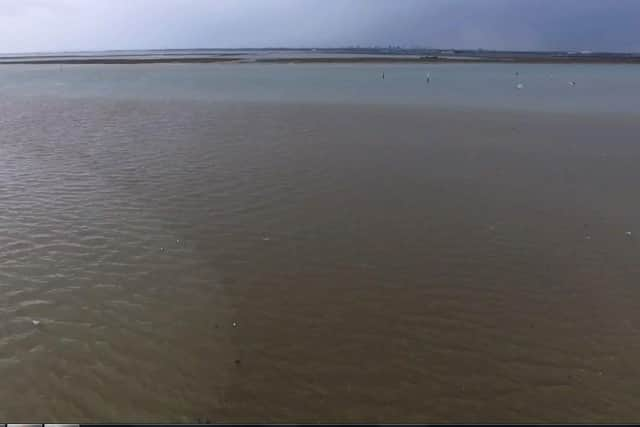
{"x":284,"y":48}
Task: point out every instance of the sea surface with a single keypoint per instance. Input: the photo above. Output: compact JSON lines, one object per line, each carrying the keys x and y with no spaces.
{"x":545,"y":87}
{"x":300,"y":243}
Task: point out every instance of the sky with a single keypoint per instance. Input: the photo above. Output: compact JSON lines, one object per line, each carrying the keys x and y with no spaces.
{"x":80,"y":25}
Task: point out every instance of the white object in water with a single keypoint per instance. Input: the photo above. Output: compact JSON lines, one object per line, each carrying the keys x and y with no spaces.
{"x":628,"y":233}
{"x":234,"y":324}
{"x":572,"y":83}
{"x":519,"y":86}
{"x":35,"y":322}
{"x":266,"y":239}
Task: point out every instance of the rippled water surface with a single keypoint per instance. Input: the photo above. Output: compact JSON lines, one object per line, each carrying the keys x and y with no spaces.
{"x":177,"y":258}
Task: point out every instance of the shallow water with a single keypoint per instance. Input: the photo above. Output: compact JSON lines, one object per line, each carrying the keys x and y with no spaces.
{"x":383,"y":263}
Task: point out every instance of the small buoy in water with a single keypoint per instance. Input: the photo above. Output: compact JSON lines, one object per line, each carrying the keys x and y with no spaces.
{"x":382,"y":76}
{"x":266,"y":239}
{"x":572,"y":83}
{"x":234,"y":324}
{"x":35,"y":322}
{"x":519,"y":86}
{"x":178,"y":241}
{"x":161,"y":249}
{"x":628,"y":233}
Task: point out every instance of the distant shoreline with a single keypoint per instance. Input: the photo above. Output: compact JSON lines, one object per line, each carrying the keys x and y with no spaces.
{"x":435,"y":60}
{"x":381,"y":59}
{"x":106,"y":61}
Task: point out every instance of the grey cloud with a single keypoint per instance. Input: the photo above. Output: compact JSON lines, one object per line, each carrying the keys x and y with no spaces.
{"x":40,"y":25}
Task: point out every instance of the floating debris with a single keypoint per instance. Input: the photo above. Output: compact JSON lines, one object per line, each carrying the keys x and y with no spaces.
{"x":519,"y":86}
{"x":35,"y":322}
{"x":266,"y":239}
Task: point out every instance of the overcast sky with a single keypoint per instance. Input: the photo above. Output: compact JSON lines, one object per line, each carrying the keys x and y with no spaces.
{"x":57,"y":25}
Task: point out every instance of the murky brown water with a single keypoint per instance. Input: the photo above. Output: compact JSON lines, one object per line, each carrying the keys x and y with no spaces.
{"x":381,"y":263}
